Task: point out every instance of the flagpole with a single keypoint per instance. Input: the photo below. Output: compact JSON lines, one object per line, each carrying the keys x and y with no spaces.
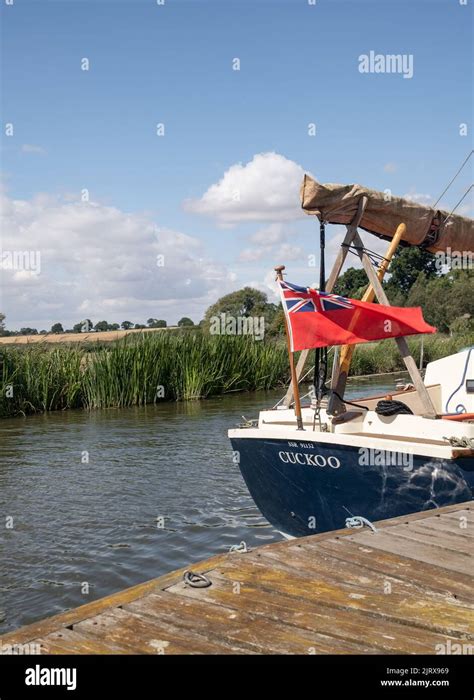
{"x":294,"y":381}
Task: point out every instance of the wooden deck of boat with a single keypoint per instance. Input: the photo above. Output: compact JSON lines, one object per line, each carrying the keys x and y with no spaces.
{"x":404,"y":589}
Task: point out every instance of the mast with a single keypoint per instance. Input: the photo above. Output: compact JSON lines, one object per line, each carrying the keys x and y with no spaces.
{"x":321,"y":354}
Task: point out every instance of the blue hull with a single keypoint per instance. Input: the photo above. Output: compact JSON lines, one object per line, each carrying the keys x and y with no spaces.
{"x":303,"y":488}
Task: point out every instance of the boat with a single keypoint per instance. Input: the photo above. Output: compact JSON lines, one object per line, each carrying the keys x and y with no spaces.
{"x":333,"y":462}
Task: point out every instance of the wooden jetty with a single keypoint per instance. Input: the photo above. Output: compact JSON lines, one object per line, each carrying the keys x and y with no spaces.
{"x":406,"y":588}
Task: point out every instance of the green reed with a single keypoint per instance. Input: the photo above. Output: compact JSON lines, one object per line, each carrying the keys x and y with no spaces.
{"x":148,"y":368}
{"x":136,"y":370}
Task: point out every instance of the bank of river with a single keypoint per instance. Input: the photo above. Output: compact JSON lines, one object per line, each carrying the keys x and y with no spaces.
{"x":89,"y":491}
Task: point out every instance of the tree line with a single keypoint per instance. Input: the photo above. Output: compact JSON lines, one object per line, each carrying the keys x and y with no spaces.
{"x":87,"y":326}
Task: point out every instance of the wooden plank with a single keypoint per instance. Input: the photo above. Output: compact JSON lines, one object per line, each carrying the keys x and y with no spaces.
{"x":135,"y":634}
{"x":239,"y":628}
{"x":459,"y":545}
{"x":460,"y":516}
{"x":419,"y":573}
{"x":323,"y":565}
{"x":415,"y":550}
{"x":367,"y":631}
{"x":446,"y":617}
{"x":202,"y":618}
{"x":68,"y":642}
{"x":449,"y":527}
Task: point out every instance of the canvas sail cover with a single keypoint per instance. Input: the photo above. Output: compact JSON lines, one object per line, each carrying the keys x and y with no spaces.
{"x":432,"y":229}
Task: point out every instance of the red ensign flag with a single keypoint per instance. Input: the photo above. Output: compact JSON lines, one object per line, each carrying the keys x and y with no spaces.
{"x":316,"y":319}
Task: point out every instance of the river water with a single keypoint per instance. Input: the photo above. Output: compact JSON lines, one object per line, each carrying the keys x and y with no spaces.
{"x":115,"y":497}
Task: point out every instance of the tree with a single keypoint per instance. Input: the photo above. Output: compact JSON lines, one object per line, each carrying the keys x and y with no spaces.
{"x":28,"y":331}
{"x":245,"y":302}
{"x":406,"y":265}
{"x":126,"y":325}
{"x":444,"y":299}
{"x":156,"y":323}
{"x":139,"y":326}
{"x":2,"y":323}
{"x":101,"y":326}
{"x":83,"y":326}
{"x":352,"y":283}
{"x":57,"y":328}
{"x":114,"y":326}
{"x":185,"y":321}
{"x":464,"y":325}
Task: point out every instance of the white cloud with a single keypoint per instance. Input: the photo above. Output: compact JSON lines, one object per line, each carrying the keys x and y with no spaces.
{"x":269,"y":235}
{"x":290,"y":252}
{"x":31,"y":148}
{"x":267,"y":240}
{"x":253,"y":254}
{"x":102,"y":262}
{"x":419,"y":198}
{"x":265,"y":189}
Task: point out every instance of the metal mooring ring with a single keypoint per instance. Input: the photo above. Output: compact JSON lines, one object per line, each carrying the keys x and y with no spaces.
{"x":194,"y":580}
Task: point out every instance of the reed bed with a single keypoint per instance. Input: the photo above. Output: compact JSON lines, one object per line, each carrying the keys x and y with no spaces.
{"x":384,"y":356}
{"x":137,"y":371}
{"x":148,"y":368}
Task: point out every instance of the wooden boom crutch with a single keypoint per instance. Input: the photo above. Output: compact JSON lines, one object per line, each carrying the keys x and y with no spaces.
{"x":347,"y":351}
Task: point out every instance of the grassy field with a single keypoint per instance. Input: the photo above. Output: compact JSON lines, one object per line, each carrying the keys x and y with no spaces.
{"x":146,"y":368}
{"x":62,"y":338}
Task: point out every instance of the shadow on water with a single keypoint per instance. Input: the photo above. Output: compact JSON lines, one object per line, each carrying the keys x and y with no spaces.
{"x":112,"y":498}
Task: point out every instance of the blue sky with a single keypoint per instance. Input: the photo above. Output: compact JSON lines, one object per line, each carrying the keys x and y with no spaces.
{"x":172,"y":64}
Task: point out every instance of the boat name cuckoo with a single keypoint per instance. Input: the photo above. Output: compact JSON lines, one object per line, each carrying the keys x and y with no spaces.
{"x":304,"y":458}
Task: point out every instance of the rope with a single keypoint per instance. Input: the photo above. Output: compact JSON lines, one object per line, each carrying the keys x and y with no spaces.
{"x":460,"y":441}
{"x":249,"y":423}
{"x":374,"y":258}
{"x":447,"y":188}
{"x":446,"y":408}
{"x":240,"y":548}
{"x":351,"y":403}
{"x":392,"y":408}
{"x":453,"y":210}
{"x":357,"y":521}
